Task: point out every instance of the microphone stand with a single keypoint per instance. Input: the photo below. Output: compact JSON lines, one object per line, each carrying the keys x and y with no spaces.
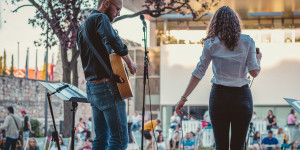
{"x":55,"y":133}
{"x":146,"y":64}
{"x":252,"y":130}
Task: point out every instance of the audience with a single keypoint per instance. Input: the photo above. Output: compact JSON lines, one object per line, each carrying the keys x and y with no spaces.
{"x":270,"y":141}
{"x":174,"y":120}
{"x":294,"y":146}
{"x":175,"y":137}
{"x":188,"y":144}
{"x":32,"y":144}
{"x":255,"y":145}
{"x":161,"y":144}
{"x":87,"y":145}
{"x":61,"y":144}
{"x":272,"y":120}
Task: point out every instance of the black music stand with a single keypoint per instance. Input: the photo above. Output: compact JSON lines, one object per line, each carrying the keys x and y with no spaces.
{"x":294,"y":103}
{"x":65,"y":92}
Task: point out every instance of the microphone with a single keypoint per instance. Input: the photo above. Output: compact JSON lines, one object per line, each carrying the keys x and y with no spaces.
{"x":142,"y":17}
{"x":61,"y":88}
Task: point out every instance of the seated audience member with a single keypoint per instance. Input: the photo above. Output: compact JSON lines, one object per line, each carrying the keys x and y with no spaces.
{"x":269,"y":142}
{"x":294,"y":146}
{"x":32,"y":144}
{"x":61,"y":144}
{"x":255,"y":145}
{"x":87,"y":145}
{"x":161,"y":144}
{"x":175,"y":136}
{"x":279,"y":133}
{"x":174,"y":120}
{"x":188,"y":144}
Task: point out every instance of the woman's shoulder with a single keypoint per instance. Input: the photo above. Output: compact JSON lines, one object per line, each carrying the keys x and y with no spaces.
{"x":246,"y":37}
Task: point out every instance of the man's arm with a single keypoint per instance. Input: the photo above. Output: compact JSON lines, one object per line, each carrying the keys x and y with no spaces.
{"x":29,"y":126}
{"x":131,"y":65}
{"x":5,"y":124}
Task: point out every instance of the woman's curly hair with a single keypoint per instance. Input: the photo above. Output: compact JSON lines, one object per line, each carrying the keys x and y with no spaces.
{"x":226,"y":25}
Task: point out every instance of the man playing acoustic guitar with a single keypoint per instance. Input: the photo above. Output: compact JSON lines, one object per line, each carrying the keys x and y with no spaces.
{"x":95,"y":39}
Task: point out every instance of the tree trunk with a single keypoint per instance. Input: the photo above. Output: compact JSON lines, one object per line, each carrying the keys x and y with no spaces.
{"x":74,"y":67}
{"x":67,"y":126}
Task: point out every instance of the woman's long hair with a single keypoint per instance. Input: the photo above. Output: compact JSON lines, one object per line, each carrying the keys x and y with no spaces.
{"x":226,"y":25}
{"x":32,"y":147}
{"x":256,"y":137}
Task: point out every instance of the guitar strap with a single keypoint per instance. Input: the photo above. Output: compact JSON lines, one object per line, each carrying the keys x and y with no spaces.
{"x":96,"y":53}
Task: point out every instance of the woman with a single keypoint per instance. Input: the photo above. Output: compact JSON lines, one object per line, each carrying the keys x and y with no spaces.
{"x":32,"y":144}
{"x":294,"y":146}
{"x":272,"y":120}
{"x":61,"y":144}
{"x":292,"y":118}
{"x":161,"y":144}
{"x":279,"y":133}
{"x":255,"y":145}
{"x":233,"y":56}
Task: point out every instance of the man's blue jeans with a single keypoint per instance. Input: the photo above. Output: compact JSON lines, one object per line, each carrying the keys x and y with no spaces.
{"x":109,"y":112}
{"x":10,"y":143}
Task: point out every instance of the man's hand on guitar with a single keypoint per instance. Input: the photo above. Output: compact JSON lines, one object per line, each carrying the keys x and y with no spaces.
{"x":132,"y":68}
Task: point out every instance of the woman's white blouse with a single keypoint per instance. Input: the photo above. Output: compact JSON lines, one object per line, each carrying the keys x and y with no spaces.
{"x":230,"y":68}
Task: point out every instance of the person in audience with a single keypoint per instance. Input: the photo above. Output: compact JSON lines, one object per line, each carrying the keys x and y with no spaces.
{"x":148,"y":131}
{"x":84,"y":129}
{"x":90,"y":124}
{"x":32,"y":144}
{"x":61,"y":144}
{"x":272,"y":120}
{"x":161,"y":144}
{"x":87,"y":145}
{"x":136,"y":122}
{"x":280,"y":132}
{"x":193,"y":136}
{"x":254,"y":116}
{"x":292,"y":118}
{"x":255,"y":145}
{"x":188,"y":144}
{"x":175,"y":136}
{"x":174,"y":120}
{"x":270,"y":141}
{"x":198,"y":140}
{"x":294,"y":146}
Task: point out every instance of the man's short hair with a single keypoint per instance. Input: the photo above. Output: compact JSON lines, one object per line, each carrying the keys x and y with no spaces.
{"x":270,"y":131}
{"x":10,"y":109}
{"x":158,"y":121}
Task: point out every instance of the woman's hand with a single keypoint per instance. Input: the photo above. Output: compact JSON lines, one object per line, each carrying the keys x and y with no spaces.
{"x":179,"y":105}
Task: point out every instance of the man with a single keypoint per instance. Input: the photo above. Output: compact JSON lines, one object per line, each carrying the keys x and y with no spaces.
{"x":175,"y":136}
{"x":26,"y":126}
{"x":148,"y":131}
{"x":188,"y":143}
{"x":11,"y":125}
{"x":269,"y":142}
{"x":95,"y":38}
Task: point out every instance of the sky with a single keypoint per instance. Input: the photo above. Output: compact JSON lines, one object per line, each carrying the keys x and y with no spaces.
{"x":14,"y":28}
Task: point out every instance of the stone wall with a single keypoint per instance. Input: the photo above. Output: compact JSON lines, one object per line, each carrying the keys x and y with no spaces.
{"x":27,"y":94}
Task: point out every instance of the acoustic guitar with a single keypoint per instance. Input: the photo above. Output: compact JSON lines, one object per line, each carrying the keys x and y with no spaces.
{"x":120,"y":70}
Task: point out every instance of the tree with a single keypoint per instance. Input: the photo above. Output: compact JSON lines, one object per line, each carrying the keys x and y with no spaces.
{"x":156,"y":8}
{"x":59,"y":20}
{"x":12,"y":66}
{"x":4,"y":64}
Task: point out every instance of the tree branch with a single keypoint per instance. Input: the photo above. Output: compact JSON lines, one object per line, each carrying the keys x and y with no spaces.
{"x":21,"y":7}
{"x":146,"y":11}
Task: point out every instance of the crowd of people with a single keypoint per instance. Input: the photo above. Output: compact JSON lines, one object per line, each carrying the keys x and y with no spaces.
{"x":281,"y":139}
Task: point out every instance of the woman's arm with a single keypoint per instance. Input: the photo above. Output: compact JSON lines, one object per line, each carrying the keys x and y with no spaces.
{"x":191,"y":86}
{"x":274,"y":121}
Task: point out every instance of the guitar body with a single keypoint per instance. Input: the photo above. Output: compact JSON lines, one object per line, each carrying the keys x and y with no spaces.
{"x":119,"y":69}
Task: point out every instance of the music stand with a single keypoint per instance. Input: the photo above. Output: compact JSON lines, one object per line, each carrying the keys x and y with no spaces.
{"x":294,"y":103}
{"x":65,"y":92}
